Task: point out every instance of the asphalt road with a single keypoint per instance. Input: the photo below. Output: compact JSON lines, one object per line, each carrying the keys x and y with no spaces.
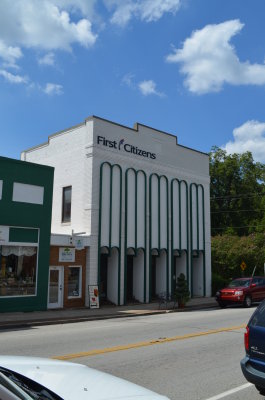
{"x":188,"y":356}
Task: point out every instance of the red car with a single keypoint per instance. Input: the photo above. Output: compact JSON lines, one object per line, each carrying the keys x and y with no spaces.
{"x":242,"y":291}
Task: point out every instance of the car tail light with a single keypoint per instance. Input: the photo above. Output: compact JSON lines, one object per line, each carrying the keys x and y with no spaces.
{"x":246,"y":339}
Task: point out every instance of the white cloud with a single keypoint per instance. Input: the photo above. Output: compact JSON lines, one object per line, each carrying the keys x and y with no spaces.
{"x":47,"y":25}
{"x":13,"y":78}
{"x":208,"y":60}
{"x":249,"y":137}
{"x":145,"y":10}
{"x":128,"y":80}
{"x":48,"y":59}
{"x":43,"y":25}
{"x":53,"y":89}
{"x":84,"y":7}
{"x":149,"y":87}
{"x":9,"y":54}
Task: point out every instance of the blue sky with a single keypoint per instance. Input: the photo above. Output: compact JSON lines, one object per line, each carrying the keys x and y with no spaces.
{"x":194,"y":68}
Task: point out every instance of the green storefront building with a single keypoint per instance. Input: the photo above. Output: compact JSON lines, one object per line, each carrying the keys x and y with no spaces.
{"x":25,"y":226}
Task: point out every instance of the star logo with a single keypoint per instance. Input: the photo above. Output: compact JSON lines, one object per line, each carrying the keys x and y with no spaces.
{"x":120,"y":143}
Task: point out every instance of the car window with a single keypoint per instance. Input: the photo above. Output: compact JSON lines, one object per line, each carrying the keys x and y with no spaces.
{"x":258,"y":318}
{"x":261,"y":281}
{"x":239,"y":283}
{"x":257,"y":281}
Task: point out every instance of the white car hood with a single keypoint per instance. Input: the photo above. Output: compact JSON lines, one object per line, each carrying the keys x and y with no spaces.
{"x":75,"y":381}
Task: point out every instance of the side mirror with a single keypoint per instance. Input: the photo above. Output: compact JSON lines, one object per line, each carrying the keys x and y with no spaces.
{"x":253,"y":285}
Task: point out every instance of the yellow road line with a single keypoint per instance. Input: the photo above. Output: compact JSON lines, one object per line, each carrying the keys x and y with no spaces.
{"x":145,"y":344}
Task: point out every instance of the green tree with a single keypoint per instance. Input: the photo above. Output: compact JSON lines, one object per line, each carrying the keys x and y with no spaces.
{"x":237,"y":193}
{"x":228,"y":252}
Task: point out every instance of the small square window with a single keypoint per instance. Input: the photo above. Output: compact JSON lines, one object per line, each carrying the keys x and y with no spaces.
{"x":66,"y":206}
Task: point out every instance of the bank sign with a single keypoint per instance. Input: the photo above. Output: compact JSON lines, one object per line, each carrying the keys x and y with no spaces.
{"x":123,"y":146}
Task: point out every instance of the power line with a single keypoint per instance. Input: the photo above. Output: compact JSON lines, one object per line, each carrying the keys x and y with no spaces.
{"x":238,"y":227}
{"x":236,"y":211}
{"x":239,"y":196}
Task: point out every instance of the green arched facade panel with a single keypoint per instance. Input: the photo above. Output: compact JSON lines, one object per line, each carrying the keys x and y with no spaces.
{"x":197,"y":186}
{"x":159,"y":177}
{"x":136,"y":173}
{"x":179,"y":182}
{"x":111,"y":166}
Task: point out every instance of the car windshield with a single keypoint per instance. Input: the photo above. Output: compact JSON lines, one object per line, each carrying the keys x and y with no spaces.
{"x":239,"y":283}
{"x":24,"y":387}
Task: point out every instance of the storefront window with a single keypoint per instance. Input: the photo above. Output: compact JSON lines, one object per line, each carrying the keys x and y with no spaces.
{"x":18,"y":269}
{"x":74,"y":282}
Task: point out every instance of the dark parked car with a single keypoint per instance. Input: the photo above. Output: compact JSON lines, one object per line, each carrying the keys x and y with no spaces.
{"x":242,"y":291}
{"x":253,"y":365}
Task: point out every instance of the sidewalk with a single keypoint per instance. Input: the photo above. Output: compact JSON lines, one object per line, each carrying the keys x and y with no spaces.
{"x":36,"y":318}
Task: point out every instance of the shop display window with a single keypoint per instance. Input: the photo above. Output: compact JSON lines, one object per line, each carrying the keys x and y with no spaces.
{"x":18,"y":270}
{"x":74,"y":282}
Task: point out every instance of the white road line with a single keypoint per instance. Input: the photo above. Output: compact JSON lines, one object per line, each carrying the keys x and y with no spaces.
{"x":228,"y":392}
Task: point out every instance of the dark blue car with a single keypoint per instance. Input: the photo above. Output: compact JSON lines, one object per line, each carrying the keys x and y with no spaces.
{"x":253,"y":365}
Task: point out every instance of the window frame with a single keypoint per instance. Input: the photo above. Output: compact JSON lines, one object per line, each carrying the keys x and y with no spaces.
{"x":1,"y":188}
{"x":63,"y":219}
{"x":80,"y":282}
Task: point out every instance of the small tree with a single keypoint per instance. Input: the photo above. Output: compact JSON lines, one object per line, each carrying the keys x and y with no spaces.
{"x":182,"y":292}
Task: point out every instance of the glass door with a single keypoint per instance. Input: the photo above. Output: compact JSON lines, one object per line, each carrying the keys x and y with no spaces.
{"x":55,"y":293}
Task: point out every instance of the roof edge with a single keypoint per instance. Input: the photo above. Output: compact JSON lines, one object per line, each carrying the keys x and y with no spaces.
{"x":135,"y":126}
{"x":92,"y":117}
{"x":51,"y":136}
{"x":15,"y":160}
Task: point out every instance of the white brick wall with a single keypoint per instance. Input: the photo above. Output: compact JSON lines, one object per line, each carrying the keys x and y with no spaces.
{"x":77,"y":157}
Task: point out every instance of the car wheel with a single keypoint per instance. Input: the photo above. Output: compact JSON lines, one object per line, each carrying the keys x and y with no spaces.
{"x":247,"y":301}
{"x":222,"y":305}
{"x":261,"y":390}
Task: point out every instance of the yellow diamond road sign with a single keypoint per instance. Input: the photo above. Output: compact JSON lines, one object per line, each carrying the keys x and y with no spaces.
{"x":243,"y":266}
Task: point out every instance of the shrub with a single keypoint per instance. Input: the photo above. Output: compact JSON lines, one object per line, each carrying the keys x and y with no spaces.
{"x":182,"y":292}
{"x":218,"y":282}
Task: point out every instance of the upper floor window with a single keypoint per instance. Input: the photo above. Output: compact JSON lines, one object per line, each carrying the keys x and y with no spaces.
{"x":24,"y":193}
{"x":67,"y":200}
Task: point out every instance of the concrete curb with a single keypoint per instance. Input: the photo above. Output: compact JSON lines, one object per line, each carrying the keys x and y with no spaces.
{"x":30,"y":323}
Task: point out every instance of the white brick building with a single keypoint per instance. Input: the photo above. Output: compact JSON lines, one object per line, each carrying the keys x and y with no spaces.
{"x":141,"y":197}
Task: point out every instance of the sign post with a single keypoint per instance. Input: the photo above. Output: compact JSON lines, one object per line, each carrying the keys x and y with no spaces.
{"x":77,"y":242}
{"x":243,"y":266}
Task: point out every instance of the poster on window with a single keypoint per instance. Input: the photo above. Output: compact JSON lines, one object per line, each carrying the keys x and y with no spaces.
{"x":93,"y":296}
